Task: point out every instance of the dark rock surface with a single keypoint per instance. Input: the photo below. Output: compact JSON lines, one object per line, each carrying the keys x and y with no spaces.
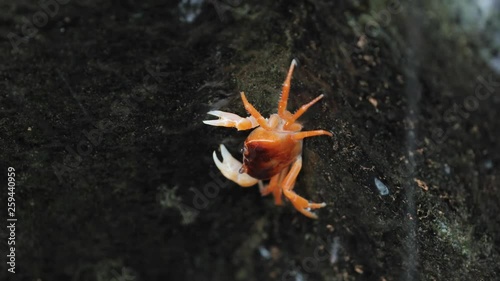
{"x":101,"y":104}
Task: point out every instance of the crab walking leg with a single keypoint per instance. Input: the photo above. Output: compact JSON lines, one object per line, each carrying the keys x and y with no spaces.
{"x":230,"y":167}
{"x":307,"y":134}
{"x":273,"y":187}
{"x":231,"y":120}
{"x":265,"y":190}
{"x":278,"y":191}
{"x":254,"y":112}
{"x":300,"y":203}
{"x":301,"y":111}
{"x":284,"y":92}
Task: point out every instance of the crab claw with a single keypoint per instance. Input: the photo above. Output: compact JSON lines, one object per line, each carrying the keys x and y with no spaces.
{"x":230,"y":167}
{"x":231,"y":120}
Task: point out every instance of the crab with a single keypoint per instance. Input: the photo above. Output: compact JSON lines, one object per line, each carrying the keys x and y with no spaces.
{"x":273,"y":151}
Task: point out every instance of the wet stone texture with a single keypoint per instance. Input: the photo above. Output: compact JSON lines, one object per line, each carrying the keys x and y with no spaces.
{"x":101,"y":104}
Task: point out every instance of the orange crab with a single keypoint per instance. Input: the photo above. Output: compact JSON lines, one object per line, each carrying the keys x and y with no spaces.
{"x":271,"y":152}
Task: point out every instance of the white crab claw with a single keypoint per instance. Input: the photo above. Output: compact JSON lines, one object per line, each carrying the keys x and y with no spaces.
{"x":231,"y":120}
{"x":225,"y":119}
{"x":230,"y":167}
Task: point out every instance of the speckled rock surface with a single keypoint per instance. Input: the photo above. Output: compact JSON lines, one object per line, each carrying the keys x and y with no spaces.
{"x":101,"y":104}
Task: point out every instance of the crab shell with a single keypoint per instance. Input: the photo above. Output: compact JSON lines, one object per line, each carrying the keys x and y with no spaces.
{"x":266,"y":153}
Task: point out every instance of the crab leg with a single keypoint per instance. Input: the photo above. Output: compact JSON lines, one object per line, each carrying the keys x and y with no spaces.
{"x":300,"y":203}
{"x":275,"y":188}
{"x":230,"y":167}
{"x":254,"y":112}
{"x":284,"y":92}
{"x":231,"y":120}
{"x":301,"y":111}
{"x":307,"y":134}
